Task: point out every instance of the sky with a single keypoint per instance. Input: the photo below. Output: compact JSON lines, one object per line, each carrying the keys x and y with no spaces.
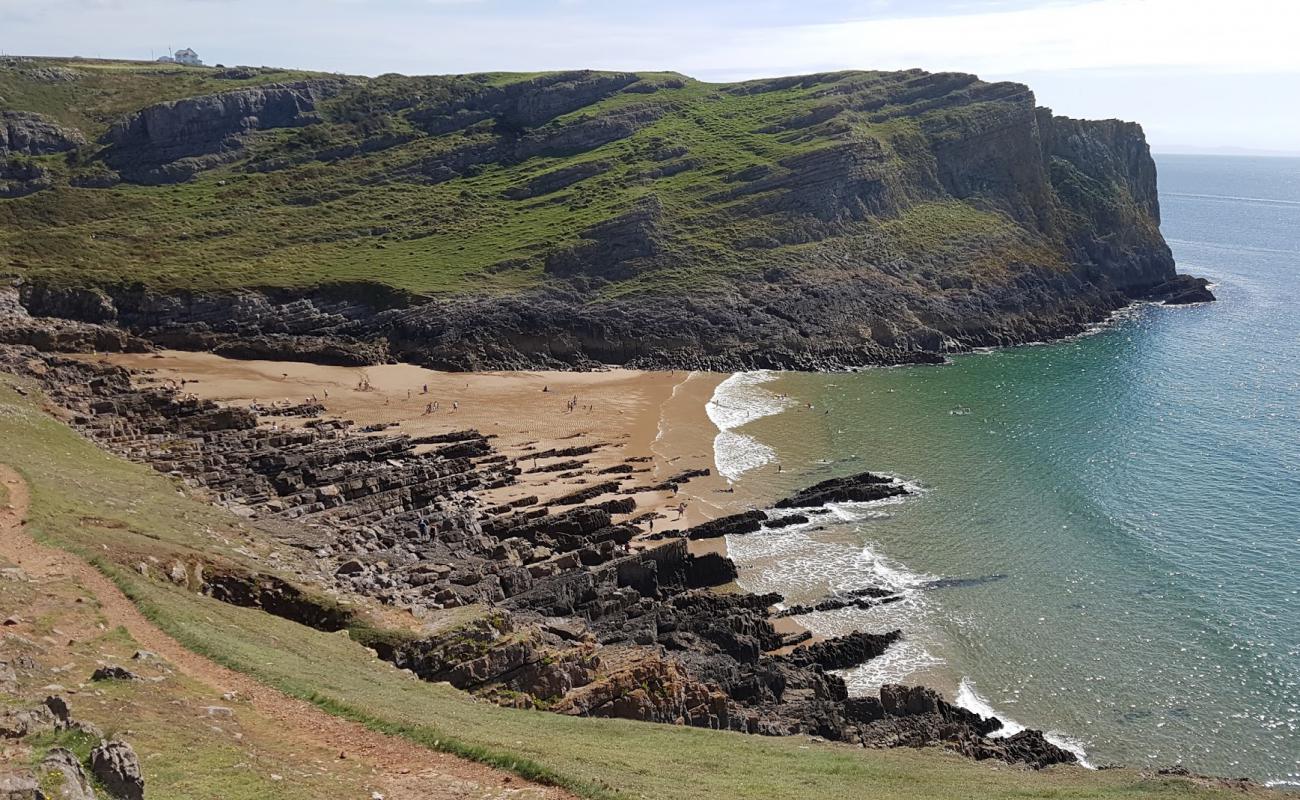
{"x":1198,"y":74}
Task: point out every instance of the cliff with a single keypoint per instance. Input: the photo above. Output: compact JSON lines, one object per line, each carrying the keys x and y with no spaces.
{"x":567,"y":219}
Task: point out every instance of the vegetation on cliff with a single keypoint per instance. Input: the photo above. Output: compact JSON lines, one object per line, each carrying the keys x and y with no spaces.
{"x":883,"y":212}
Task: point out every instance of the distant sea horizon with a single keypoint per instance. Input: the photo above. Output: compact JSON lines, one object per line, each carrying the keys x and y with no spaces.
{"x":1226,"y":151}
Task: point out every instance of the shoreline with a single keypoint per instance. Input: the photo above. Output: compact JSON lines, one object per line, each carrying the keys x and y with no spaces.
{"x":635,"y":414}
{"x":618,"y":414}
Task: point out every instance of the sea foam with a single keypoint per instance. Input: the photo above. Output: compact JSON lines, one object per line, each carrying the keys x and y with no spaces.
{"x":739,"y":400}
{"x":971,"y":700}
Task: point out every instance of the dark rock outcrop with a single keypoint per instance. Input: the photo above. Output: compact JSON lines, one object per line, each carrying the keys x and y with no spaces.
{"x":26,"y":133}
{"x":71,"y":777}
{"x":553,"y":609}
{"x":113,"y":672}
{"x":115,"y":765}
{"x":744,"y":522}
{"x":171,"y":141}
{"x":863,"y":487}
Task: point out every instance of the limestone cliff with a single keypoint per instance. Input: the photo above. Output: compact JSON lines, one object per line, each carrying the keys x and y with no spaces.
{"x":572,"y":218}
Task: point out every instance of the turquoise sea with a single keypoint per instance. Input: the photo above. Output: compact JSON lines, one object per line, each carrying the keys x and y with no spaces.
{"x":1121,"y":511}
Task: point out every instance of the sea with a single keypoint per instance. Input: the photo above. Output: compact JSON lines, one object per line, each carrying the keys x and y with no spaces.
{"x":1105,"y":538}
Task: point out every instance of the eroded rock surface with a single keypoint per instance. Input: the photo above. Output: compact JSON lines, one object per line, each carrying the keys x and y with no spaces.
{"x":543,"y":606}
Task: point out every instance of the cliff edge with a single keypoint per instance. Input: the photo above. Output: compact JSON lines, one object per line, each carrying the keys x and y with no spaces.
{"x":570,"y":219}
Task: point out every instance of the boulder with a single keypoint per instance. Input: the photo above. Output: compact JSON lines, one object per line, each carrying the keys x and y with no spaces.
{"x":63,"y":770}
{"x":115,"y":765}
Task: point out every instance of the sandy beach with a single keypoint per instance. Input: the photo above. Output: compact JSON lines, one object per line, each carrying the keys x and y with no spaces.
{"x":652,"y":422}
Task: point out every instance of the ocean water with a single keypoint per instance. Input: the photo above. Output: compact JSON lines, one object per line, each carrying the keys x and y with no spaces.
{"x":1122,"y":509}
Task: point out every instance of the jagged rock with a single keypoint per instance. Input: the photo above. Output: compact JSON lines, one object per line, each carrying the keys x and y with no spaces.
{"x":744,"y":522}
{"x":570,"y":618}
{"x":72,"y":782}
{"x":1183,"y":290}
{"x":114,"y":673}
{"x":171,"y":141}
{"x":115,"y":765}
{"x":52,"y":715}
{"x":843,"y":652}
{"x":651,"y":690}
{"x":26,"y":133}
{"x":862,"y":487}
{"x":858,"y":598}
{"x":20,"y":786}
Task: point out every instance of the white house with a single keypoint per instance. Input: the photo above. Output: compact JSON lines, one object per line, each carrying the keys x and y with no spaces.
{"x":186,"y":56}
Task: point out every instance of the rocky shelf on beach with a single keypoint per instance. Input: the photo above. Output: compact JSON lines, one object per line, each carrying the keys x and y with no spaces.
{"x":566,"y":606}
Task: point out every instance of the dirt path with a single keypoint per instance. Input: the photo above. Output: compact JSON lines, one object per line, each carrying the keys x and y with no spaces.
{"x":406,"y":769}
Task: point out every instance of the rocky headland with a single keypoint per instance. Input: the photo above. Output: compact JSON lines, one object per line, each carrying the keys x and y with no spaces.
{"x":574,"y":219}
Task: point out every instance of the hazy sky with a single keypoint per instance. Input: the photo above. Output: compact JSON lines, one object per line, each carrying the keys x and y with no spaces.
{"x":1198,"y":73}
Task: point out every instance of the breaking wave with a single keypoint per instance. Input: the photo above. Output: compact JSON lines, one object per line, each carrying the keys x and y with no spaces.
{"x":739,"y":400}
{"x":972,"y":700}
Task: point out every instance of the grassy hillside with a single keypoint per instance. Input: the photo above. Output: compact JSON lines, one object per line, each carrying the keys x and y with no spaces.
{"x":473,"y":183}
{"x":122,"y":514}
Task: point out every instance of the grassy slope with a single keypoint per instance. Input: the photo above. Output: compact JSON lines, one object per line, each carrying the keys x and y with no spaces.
{"x":186,"y":754}
{"x":370,"y":218}
{"x":71,"y":480}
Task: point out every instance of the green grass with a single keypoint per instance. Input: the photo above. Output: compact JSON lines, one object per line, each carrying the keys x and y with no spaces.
{"x":72,"y":481}
{"x":377,"y":217}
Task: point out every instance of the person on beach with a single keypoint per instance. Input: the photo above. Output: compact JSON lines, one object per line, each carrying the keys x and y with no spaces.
{"x":428,"y":409}
{"x":681,"y":509}
{"x":423,"y":527}
{"x":426,"y":389}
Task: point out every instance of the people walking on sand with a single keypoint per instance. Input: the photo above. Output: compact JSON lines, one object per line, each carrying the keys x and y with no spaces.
{"x":652,"y":524}
{"x":426,"y":389}
{"x":681,"y":509}
{"x":546,"y":389}
{"x":455,"y":404}
{"x":428,"y":409}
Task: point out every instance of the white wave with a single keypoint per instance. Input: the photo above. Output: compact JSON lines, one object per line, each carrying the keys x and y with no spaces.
{"x":902,"y":658}
{"x":1280,"y":783}
{"x":737,"y":401}
{"x":1272,"y":201}
{"x":972,"y":700}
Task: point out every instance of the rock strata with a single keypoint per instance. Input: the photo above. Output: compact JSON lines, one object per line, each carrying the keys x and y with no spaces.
{"x":542,"y":606}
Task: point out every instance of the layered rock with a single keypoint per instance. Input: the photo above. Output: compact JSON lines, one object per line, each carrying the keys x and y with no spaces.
{"x":552,"y":608}
{"x":171,"y":141}
{"x":838,"y":219}
{"x":27,"y":133}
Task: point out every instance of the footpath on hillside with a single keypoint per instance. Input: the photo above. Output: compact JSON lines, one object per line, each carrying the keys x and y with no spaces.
{"x":401,"y":769}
